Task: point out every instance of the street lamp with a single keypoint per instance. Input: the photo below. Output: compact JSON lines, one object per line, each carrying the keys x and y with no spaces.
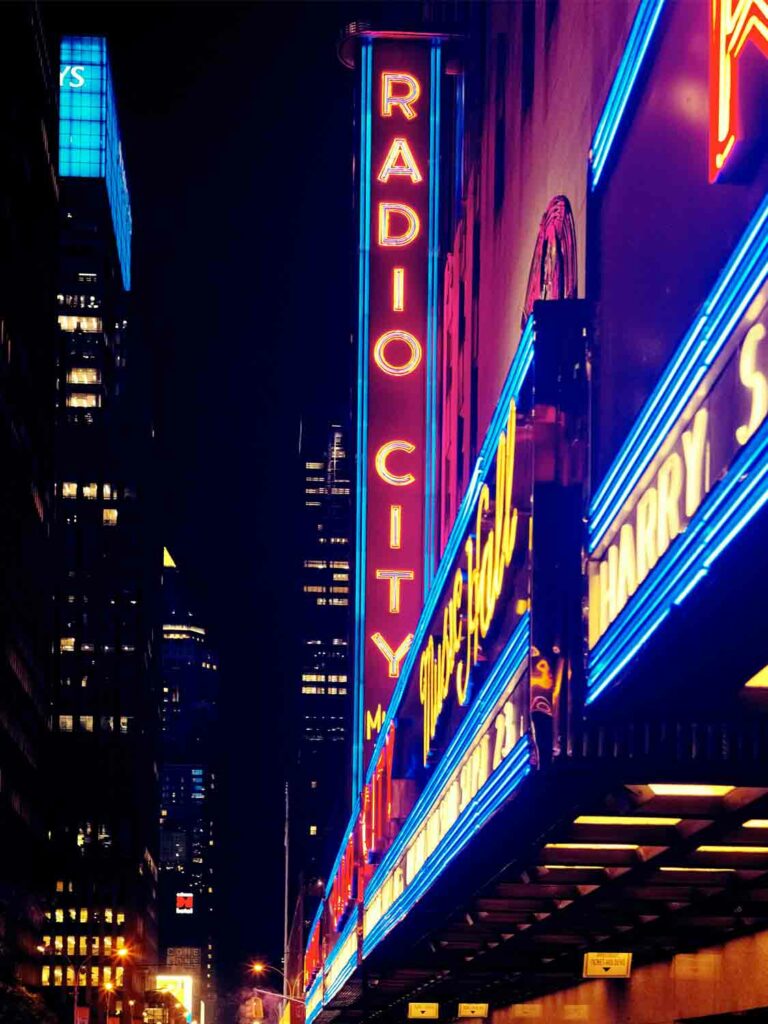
{"x":109,"y":988}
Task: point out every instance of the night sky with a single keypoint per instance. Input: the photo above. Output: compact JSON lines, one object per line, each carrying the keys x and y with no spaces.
{"x":237,"y":132}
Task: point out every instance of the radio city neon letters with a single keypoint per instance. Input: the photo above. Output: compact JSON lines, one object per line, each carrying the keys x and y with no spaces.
{"x":398,"y":173}
{"x":735,"y":23}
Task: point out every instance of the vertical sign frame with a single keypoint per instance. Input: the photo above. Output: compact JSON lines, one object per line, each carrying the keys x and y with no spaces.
{"x":397,"y":330}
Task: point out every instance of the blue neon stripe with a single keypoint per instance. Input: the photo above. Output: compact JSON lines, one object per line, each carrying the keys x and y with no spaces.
{"x":310,"y":995}
{"x":732,"y":504}
{"x":430,"y":490}
{"x":350,"y":964}
{"x":638,"y":43}
{"x":518,"y":371}
{"x":483,"y":805}
{"x":510,"y":663}
{"x":362,"y":409}
{"x":737,"y":285}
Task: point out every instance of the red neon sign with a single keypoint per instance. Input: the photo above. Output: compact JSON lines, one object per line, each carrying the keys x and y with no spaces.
{"x":399,"y":181}
{"x":735,"y":23}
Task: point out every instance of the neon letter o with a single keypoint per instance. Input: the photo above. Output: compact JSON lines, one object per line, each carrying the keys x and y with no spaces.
{"x":394,"y":370}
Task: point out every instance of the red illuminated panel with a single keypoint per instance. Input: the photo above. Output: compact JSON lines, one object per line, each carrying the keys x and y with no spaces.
{"x":735,"y":24}
{"x":185,"y":903}
{"x":399,"y":182}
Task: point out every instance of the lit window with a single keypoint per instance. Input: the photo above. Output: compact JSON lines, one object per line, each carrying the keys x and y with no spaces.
{"x":314,"y":465}
{"x":67,"y":643}
{"x":341,"y":601}
{"x":107,"y":491}
{"x":341,"y":576}
{"x":58,"y":943}
{"x":313,"y":589}
{"x":58,"y":975}
{"x":108,"y":915}
{"x":109,"y":517}
{"x":83,"y":945}
{"x":46,"y":974}
{"x":59,"y":915}
{"x":86,"y":722}
{"x":69,"y":490}
{"x":80,"y":323}
{"x":313,"y":784}
{"x":120,"y":917}
{"x":83,"y":400}
{"x":313,"y":830}
{"x":90,"y":491}
{"x":83,"y":915}
{"x":66,"y":723}
{"x":312,"y":677}
{"x":339,"y":565}
{"x":339,"y":590}
{"x":123,"y":724}
{"x":59,"y":887}
{"x":119,"y":976}
{"x":315,"y":563}
{"x":84,"y":375}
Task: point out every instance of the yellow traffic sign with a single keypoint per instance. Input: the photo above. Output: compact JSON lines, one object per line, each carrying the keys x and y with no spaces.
{"x":423,"y":1011}
{"x":607,"y":965}
{"x":473,"y":1009}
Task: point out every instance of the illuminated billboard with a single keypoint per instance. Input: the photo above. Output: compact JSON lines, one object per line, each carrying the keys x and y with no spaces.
{"x":181,"y":987}
{"x":185,"y":903}
{"x":398,"y":214}
{"x":89,"y":134}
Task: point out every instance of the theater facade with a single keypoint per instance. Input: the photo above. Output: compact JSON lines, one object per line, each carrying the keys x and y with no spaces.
{"x":561,"y":650}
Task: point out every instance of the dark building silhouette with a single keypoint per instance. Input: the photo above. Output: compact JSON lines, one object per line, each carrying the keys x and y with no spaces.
{"x":104,"y":709}
{"x":28,"y":209}
{"x":319,"y":789}
{"x":187,"y":782}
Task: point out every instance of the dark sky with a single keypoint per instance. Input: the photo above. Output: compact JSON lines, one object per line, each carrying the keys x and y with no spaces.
{"x":237,"y":123}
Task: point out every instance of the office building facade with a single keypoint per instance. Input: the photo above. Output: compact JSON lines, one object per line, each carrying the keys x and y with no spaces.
{"x":319,"y":770}
{"x":563,"y":277}
{"x":188,"y":755}
{"x":28,"y":225}
{"x":104,"y":715}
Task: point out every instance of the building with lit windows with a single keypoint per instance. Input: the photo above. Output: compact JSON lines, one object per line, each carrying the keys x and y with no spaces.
{"x":562,"y":482}
{"x":28,"y":223}
{"x":188,"y":746}
{"x":104,"y":711}
{"x":318,"y":794}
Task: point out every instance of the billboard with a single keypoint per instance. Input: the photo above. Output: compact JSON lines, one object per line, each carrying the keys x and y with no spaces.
{"x":89,"y":134}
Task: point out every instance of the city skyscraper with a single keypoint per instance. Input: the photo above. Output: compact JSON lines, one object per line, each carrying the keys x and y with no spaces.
{"x":319,"y":790}
{"x":104,"y":712}
{"x":28,"y":221}
{"x":187,"y":784}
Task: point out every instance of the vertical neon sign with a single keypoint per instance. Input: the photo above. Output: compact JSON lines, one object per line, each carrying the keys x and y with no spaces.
{"x":399,"y":143}
{"x":734,"y":24}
